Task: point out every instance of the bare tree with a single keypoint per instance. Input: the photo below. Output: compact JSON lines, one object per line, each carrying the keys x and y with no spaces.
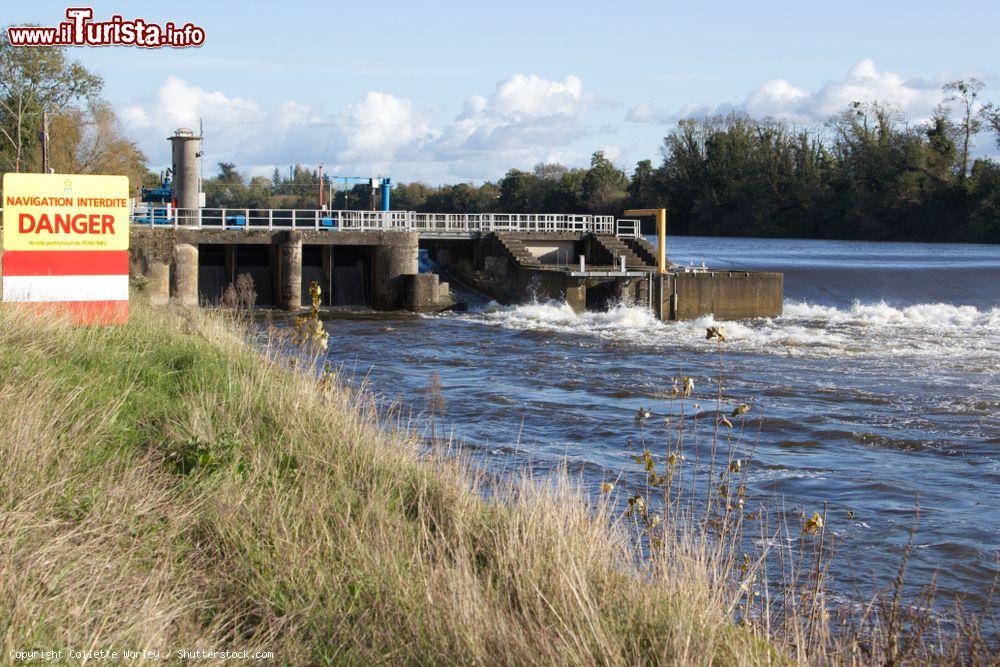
{"x":965,"y":92}
{"x":92,"y":141}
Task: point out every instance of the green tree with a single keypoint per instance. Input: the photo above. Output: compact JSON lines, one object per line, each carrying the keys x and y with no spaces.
{"x":604,"y":186}
{"x":229,"y":189}
{"x":983,"y":222}
{"x":33,"y":80}
{"x":965,"y":92}
{"x":228,"y":174}
{"x":940,"y":133}
{"x":516,"y":191}
{"x":642,"y":189}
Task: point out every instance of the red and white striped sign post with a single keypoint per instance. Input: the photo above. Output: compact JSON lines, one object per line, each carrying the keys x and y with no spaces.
{"x":65,"y":240}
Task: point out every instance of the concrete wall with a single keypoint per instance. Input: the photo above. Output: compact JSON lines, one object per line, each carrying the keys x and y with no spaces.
{"x":170,"y":257}
{"x":553,"y":252}
{"x":384,"y":266}
{"x":729,"y":295}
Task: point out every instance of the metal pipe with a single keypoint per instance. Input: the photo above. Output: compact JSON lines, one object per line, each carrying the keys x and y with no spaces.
{"x":661,"y":233}
{"x":385,"y":194}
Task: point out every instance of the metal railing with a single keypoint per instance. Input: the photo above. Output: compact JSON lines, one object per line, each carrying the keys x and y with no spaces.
{"x":627,"y":228}
{"x":430,"y":223}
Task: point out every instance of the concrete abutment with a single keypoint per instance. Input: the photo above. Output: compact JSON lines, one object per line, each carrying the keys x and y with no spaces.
{"x":353,"y":268}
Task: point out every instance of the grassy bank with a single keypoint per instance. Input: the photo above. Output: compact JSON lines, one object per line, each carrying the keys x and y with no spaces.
{"x":167,"y":486}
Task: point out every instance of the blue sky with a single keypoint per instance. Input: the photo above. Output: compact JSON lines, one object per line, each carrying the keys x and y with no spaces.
{"x":461,"y":91}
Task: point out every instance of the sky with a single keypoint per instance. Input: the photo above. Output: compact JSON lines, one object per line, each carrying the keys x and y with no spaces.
{"x":445,"y":91}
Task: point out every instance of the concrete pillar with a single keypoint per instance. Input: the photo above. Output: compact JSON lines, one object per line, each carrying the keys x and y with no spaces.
{"x":290,"y":272}
{"x":184,"y":278}
{"x":229,"y":259}
{"x":157,"y":273}
{"x":391,"y":262}
{"x":576,"y":294}
{"x":326,"y":259}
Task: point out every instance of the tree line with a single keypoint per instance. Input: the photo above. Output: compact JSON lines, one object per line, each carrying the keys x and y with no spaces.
{"x":868,"y":173}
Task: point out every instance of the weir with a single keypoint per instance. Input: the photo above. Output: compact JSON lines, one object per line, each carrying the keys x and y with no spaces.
{"x":190,"y":255}
{"x":378,"y":268}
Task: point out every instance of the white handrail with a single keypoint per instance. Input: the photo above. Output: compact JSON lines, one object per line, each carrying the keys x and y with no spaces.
{"x":441,"y":223}
{"x":628,"y":228}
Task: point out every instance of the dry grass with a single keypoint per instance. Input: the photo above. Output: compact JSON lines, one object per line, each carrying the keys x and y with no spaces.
{"x":167,"y":486}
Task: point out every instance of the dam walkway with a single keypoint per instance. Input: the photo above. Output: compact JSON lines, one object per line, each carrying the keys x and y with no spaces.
{"x":438,"y":225}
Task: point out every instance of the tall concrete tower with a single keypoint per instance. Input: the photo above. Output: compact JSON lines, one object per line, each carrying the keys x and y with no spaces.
{"x":187,"y":168}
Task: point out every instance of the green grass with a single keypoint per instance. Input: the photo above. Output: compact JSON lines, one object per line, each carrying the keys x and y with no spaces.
{"x":167,"y":485}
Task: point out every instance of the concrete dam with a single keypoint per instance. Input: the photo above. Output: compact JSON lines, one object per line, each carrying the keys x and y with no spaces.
{"x":187,"y":253}
{"x":379,"y":268}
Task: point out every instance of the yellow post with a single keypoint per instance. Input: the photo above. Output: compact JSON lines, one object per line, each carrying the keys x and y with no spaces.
{"x":661,"y":231}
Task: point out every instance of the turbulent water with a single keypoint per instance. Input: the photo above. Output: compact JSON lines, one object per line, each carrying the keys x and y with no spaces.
{"x":878,"y":385}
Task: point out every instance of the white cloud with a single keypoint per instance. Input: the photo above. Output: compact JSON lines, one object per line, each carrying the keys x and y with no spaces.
{"x":641,"y":113}
{"x":646,"y":113}
{"x":779,"y":98}
{"x":526,"y":119}
{"x":864,"y":82}
{"x":613,"y":152}
{"x":379,"y":126}
{"x":243,"y":131}
{"x":534,"y":97}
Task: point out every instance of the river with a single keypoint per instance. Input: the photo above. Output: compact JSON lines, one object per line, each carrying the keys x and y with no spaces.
{"x":879,"y":384}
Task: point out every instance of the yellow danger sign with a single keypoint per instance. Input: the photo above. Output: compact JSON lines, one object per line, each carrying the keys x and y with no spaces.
{"x":65,"y":212}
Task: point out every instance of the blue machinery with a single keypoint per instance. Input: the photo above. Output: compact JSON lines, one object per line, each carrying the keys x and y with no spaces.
{"x":155,"y":202}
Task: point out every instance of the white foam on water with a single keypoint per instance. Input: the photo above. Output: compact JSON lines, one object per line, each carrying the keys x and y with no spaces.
{"x":804,"y":329}
{"x":921,"y":315}
{"x":558,"y":316}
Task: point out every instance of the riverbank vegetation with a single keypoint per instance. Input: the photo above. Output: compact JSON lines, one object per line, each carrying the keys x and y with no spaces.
{"x":167,"y":486}
{"x":184,"y":482}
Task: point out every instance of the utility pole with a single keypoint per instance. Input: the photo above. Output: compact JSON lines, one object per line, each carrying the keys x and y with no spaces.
{"x":321,"y":207}
{"x":44,"y":136}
